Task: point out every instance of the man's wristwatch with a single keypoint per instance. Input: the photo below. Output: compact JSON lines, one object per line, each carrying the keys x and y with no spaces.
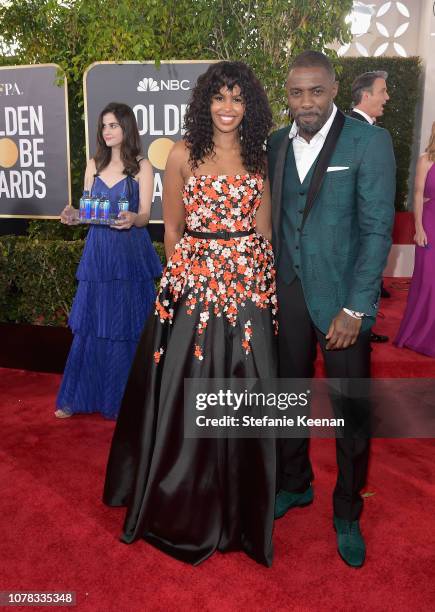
{"x":354,"y":313}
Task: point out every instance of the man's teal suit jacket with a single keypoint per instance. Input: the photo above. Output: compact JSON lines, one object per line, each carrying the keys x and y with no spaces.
{"x":345,"y":232}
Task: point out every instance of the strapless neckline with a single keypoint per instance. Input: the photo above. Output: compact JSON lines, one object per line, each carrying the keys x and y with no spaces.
{"x":226,"y":176}
{"x":194,"y":180}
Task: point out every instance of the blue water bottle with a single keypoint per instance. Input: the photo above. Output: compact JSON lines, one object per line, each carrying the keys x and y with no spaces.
{"x":87,"y":204}
{"x":104,"y":209}
{"x":95,"y":202}
{"x":82,"y":207}
{"x":122,"y":204}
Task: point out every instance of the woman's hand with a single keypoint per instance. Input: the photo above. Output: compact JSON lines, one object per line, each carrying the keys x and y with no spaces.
{"x":125,"y":220}
{"x":420,"y":237}
{"x":69,"y":216}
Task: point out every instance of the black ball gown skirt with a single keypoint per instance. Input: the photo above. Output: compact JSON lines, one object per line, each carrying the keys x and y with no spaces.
{"x":191,"y":497}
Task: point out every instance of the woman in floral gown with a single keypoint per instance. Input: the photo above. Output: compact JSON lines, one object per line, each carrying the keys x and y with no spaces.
{"x":215,"y":317}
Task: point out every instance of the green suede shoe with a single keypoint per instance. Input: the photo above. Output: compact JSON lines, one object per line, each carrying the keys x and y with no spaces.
{"x":286,"y":500}
{"x":350,"y":543}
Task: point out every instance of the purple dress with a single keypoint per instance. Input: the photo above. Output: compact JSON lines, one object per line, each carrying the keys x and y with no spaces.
{"x":417,"y":330}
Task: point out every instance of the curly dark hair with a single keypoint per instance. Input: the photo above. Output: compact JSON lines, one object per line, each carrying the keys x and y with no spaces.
{"x":131,"y":147}
{"x":256,"y":123}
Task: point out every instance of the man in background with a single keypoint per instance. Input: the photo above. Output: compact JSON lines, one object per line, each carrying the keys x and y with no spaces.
{"x":369,"y":96}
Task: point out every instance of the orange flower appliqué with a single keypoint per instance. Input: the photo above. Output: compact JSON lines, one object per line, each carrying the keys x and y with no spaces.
{"x":158,"y":354}
{"x":198,"y":352}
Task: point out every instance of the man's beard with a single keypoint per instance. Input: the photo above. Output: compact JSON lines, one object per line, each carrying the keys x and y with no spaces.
{"x":314,"y":126}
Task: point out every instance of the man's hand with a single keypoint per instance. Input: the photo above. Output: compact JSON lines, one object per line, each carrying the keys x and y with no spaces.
{"x":343,"y":331}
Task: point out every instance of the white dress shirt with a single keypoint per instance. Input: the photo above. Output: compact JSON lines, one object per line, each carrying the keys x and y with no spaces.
{"x":366,"y":117}
{"x":306,"y":152}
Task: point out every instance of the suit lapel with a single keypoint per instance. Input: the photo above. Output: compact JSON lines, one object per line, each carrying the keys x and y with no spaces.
{"x":278,"y":177}
{"x":323,"y":163}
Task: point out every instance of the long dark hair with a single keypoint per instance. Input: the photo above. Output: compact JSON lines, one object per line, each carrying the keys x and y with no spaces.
{"x":256,"y":123}
{"x":131,"y":147}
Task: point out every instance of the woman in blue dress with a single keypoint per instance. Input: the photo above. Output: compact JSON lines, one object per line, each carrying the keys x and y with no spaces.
{"x":116,"y":273}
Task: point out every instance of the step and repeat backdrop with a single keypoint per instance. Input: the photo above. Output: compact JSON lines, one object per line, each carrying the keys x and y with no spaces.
{"x":35,"y":180}
{"x":158,"y":97}
{"x":34,"y":142}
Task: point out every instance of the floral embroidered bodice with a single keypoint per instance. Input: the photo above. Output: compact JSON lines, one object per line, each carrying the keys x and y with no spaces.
{"x":217,"y":203}
{"x":218,"y":277}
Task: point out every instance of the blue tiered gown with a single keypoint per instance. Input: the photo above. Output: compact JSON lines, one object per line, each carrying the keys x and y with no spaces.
{"x":114,"y":297}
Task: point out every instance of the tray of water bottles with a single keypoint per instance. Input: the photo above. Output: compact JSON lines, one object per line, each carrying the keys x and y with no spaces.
{"x":95,"y":209}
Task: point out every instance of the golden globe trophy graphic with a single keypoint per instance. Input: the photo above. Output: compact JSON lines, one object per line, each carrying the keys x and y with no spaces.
{"x":8,"y":153}
{"x":158,"y":96}
{"x":158,"y":152}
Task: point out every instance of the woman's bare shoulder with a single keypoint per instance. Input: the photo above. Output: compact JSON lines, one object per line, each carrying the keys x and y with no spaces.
{"x":144,"y":164}
{"x":179,"y":152}
{"x":178,"y":159}
{"x":91,"y":166}
{"x":424,"y":160}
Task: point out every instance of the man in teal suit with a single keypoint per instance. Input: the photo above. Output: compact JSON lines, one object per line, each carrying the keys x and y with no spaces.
{"x":333,"y":188}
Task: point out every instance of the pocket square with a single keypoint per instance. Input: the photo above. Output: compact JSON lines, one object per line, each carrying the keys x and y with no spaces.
{"x":337,"y":168}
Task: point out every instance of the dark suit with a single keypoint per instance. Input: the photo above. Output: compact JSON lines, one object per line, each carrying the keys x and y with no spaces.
{"x":358,"y":116}
{"x":384,"y":293}
{"x":331,"y":236}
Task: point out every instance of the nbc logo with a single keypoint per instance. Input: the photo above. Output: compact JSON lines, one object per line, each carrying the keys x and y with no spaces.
{"x":148,"y":85}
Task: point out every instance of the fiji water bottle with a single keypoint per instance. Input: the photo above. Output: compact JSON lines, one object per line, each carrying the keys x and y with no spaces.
{"x":104,"y":209}
{"x":87,"y":200}
{"x":122,"y":204}
{"x":122,"y":207}
{"x":95,"y":203}
{"x":82,"y":207}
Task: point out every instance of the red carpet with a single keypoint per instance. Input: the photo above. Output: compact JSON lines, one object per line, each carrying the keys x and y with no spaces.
{"x":58,"y":536}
